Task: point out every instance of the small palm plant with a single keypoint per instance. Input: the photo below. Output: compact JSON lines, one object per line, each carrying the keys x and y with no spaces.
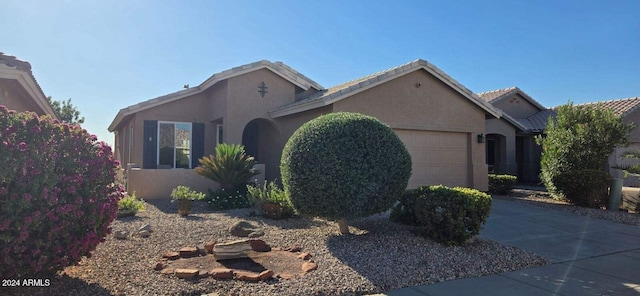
{"x":230,"y":167}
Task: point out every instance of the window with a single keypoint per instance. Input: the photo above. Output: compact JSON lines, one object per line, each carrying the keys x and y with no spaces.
{"x":174,"y":145}
{"x":219,"y":138}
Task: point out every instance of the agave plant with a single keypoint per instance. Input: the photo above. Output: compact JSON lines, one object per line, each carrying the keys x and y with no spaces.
{"x":230,"y":167}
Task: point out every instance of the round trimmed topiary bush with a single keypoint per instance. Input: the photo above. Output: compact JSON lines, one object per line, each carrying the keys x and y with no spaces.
{"x":57,"y":194}
{"x":343,"y":166}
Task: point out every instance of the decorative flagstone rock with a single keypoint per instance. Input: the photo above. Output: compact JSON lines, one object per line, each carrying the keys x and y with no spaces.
{"x":246,"y":276}
{"x":188,"y":252}
{"x":259,"y":245}
{"x":245,"y":229}
{"x":184,"y":273}
{"x":231,"y":250}
{"x":304,"y":256}
{"x":309,"y":266}
{"x":222,"y":273}
{"x":171,"y":255}
{"x":209,"y":246}
{"x":266,"y":275}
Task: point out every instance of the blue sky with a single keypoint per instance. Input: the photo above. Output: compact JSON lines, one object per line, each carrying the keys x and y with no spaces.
{"x":107,"y":55}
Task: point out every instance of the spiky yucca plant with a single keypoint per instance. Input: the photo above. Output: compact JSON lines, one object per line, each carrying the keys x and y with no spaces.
{"x":230,"y":167}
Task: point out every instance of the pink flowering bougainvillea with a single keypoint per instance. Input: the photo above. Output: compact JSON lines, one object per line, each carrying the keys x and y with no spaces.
{"x":57,"y":194}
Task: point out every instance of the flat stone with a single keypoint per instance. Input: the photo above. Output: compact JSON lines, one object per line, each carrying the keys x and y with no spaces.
{"x":245,"y":229}
{"x":221,"y":273}
{"x":231,"y":250}
{"x":167,"y":271}
{"x":171,"y":255}
{"x":287,"y":276}
{"x":184,"y":273}
{"x":209,"y":246}
{"x":146,"y":227}
{"x":144,"y":233}
{"x":203,"y":274}
{"x":188,"y":252}
{"x":259,"y":245}
{"x":266,"y":275}
{"x":246,"y":276}
{"x":304,"y":256}
{"x":121,"y":234}
{"x":309,"y":266}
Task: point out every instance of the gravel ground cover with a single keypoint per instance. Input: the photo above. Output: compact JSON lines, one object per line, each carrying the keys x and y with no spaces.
{"x":543,"y":199}
{"x":379,"y":256}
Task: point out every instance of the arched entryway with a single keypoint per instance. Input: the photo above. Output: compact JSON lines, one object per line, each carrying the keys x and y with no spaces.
{"x":259,"y":138}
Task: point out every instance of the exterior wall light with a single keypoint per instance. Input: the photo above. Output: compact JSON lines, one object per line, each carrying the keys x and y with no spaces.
{"x":480,"y":138}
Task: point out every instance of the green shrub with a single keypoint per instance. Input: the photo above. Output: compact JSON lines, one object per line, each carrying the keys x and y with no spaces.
{"x":451,"y":216}
{"x":579,"y":138}
{"x":343,"y":166}
{"x":585,"y":188}
{"x":131,"y":203}
{"x":270,"y":193}
{"x":57,"y":194}
{"x":184,"y":192}
{"x":231,"y":167}
{"x":501,"y":184}
{"x":221,"y":200}
{"x":404,"y":209}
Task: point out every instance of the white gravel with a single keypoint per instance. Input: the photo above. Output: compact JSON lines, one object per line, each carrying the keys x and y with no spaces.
{"x":380,"y":256}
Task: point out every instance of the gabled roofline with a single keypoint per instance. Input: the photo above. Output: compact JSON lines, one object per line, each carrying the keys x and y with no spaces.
{"x":359,"y":85}
{"x":278,"y":68}
{"x":513,"y":90}
{"x":625,"y":113}
{"x":514,"y":122}
{"x":13,"y":68}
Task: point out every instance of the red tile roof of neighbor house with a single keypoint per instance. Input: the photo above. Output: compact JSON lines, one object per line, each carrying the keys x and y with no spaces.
{"x":620,"y":107}
{"x":335,"y":93}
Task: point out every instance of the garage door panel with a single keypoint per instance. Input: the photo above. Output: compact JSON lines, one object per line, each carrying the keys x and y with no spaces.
{"x":437,"y":157}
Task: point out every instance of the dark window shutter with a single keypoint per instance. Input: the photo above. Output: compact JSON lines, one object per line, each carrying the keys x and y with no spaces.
{"x":197,"y":145}
{"x":150,"y":145}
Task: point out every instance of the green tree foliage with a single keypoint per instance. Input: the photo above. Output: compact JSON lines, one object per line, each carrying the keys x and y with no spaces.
{"x":67,"y":112}
{"x":343,"y":166}
{"x":579,"y":138}
{"x":230,"y":167}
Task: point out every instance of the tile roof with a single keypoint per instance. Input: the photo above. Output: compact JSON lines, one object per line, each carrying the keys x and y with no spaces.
{"x":277,"y":67}
{"x":620,"y":107}
{"x":494,"y":94}
{"x":12,"y":62}
{"x":338,"y":92}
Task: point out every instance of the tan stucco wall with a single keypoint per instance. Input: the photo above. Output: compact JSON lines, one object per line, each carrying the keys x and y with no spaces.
{"x":14,"y":97}
{"x":517,"y":106}
{"x":507,"y":163}
{"x":433,"y":106}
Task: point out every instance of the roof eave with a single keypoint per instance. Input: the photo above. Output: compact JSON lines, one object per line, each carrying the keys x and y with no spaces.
{"x":26,"y":81}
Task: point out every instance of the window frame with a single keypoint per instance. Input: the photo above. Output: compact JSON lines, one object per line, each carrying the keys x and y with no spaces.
{"x":219,"y":134}
{"x":173,"y":166}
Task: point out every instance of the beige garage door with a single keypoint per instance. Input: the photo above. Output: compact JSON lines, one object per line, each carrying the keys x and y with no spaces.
{"x":437,"y":157}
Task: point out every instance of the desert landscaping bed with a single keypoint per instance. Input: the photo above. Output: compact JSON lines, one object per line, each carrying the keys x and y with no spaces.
{"x":379,"y":256}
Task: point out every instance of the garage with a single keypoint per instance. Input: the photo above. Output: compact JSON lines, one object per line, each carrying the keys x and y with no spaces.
{"x":437,"y":157}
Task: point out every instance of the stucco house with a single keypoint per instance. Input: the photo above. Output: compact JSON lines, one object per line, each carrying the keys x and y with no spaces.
{"x":261,"y":104}
{"x":19,"y":89}
{"x":510,"y":143}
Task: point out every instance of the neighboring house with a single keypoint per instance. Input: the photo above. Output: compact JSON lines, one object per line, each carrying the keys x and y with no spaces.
{"x":629,"y":109}
{"x":19,"y":89}
{"x":261,"y":104}
{"x":511,"y":147}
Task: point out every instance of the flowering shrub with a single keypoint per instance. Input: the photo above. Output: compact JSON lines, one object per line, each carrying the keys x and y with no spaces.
{"x":57,"y":194}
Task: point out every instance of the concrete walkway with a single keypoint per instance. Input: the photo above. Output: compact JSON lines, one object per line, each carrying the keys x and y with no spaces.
{"x":591,"y":256}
